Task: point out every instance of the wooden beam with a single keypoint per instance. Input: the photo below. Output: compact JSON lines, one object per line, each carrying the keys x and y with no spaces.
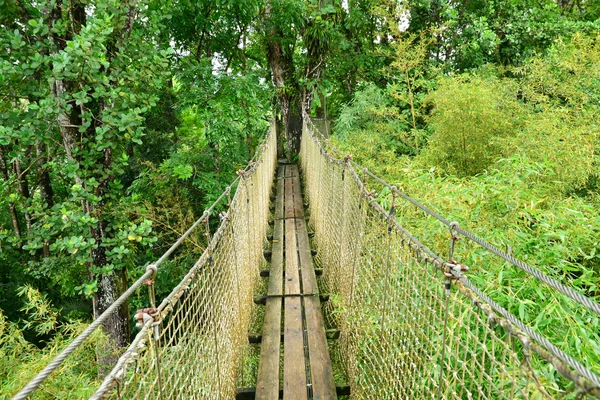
{"x":294,"y":366}
{"x":268,"y":370}
{"x":256,"y":338}
{"x":262,"y":300}
{"x":249,"y":393}
{"x":264,"y":273}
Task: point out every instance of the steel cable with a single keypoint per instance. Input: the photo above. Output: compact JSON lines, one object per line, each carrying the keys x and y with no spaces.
{"x":481,"y":362}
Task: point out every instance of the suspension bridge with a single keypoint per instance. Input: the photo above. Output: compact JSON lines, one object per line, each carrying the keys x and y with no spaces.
{"x":312,"y":288}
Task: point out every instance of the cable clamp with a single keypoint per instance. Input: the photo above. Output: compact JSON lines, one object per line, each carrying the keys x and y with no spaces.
{"x":453,"y":226}
{"x":455,"y":270}
{"x":144,"y":316}
{"x":151,"y":268}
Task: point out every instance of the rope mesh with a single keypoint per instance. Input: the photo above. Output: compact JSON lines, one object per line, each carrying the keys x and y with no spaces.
{"x":412,"y":325}
{"x":194,"y":347}
{"x":403,"y":334}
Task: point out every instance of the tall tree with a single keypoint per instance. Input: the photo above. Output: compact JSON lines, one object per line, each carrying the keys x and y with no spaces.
{"x":469,"y":34}
{"x":298,"y":37}
{"x":77,"y":80}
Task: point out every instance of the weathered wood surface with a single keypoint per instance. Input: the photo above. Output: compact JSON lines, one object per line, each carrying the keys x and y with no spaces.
{"x":305,"y":360}
{"x":293,"y":196}
{"x":323,"y":383}
{"x":267,"y":387}
{"x":294,"y":367}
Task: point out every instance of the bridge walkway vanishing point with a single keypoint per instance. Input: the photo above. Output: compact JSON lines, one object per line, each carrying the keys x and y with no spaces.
{"x":307,"y":370}
{"x":410,"y":323}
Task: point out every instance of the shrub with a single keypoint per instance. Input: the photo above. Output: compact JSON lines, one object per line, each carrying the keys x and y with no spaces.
{"x":471,"y":117}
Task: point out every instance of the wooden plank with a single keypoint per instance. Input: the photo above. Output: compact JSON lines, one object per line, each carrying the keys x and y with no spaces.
{"x":289,"y":198}
{"x":267,"y":387}
{"x":332,"y":334}
{"x":309,"y":279}
{"x":291,"y":170}
{"x":280,"y":200}
{"x":262,"y":300}
{"x":321,"y":371}
{"x":288,"y":170}
{"x":298,"y":200}
{"x":294,"y":368}
{"x":292,"y":275}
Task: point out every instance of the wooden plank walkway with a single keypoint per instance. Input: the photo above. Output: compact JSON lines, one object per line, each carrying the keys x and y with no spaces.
{"x":307,"y":372}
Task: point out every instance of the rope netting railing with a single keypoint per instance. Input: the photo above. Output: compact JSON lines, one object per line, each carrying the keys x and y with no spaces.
{"x":192,"y":344}
{"x":413,"y":324}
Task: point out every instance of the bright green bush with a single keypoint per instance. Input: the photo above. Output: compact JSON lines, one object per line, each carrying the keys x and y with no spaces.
{"x":20,"y":360}
{"x":471,"y":116}
{"x":513,"y":159}
{"x":562,"y":96}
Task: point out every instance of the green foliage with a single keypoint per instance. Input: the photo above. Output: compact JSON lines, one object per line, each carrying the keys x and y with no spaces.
{"x":513,"y":157}
{"x":21,"y":360}
{"x":369,"y":122}
{"x":81,"y":106}
{"x":411,"y":81}
{"x":393,"y":119}
{"x":43,"y":318}
{"x":547,"y":112}
{"x":468,"y":35}
{"x":470,"y":119}
{"x":561,"y":92}
{"x":354,"y":57}
{"x":359,"y":115}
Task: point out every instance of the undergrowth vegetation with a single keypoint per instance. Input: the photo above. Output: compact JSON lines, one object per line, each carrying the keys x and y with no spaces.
{"x":21,"y":359}
{"x":512,"y":155}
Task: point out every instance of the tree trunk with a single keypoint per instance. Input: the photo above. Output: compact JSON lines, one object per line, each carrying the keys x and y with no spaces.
{"x":23,"y":188}
{"x":45,"y":185}
{"x":293,"y":126}
{"x":43,"y":175}
{"x":280,"y":129}
{"x":112,"y":285}
{"x":288,"y":91}
{"x":11,"y":206}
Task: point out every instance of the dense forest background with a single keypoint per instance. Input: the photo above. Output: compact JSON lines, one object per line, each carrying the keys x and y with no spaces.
{"x":121,"y":120}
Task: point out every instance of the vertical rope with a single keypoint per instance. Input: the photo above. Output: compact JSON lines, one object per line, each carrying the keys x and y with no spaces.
{"x":362,"y":207}
{"x":447,"y":286}
{"x":157,"y":356}
{"x":342,"y":241}
{"x":156,"y":333}
{"x":215,"y":336}
{"x":388,"y":259}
